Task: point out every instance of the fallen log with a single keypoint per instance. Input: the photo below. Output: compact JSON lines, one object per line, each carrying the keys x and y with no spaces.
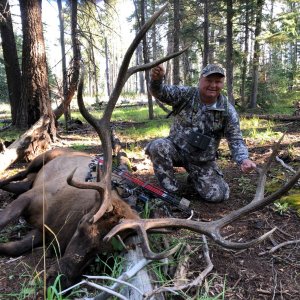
{"x":18,"y":148}
{"x":285,"y":118}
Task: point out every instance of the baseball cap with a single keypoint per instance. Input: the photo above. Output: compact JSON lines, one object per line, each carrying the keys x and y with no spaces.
{"x":212,"y":69}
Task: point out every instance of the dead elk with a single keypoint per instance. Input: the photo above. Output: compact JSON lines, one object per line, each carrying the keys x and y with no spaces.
{"x":66,"y":209}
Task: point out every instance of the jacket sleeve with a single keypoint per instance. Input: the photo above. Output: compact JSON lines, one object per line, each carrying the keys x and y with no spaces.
{"x":169,"y":94}
{"x":234,"y":136}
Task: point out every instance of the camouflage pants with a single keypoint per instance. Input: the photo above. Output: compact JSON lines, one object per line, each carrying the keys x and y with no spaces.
{"x":206,"y":177}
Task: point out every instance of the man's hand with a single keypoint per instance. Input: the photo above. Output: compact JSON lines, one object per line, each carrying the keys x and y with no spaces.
{"x":247,"y":166}
{"x":158,"y":72}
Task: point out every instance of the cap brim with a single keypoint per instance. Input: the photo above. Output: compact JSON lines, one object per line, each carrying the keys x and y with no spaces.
{"x":210,"y":73}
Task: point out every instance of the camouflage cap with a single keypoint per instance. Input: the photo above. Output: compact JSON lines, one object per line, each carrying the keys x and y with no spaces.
{"x":212,"y":69}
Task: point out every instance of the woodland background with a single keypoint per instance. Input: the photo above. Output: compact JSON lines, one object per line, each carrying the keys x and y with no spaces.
{"x":256,"y":41}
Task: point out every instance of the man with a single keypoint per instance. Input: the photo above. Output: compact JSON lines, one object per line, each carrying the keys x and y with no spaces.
{"x":202,"y":115}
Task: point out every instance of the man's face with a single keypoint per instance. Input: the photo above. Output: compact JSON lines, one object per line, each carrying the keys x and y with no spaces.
{"x":210,"y":87}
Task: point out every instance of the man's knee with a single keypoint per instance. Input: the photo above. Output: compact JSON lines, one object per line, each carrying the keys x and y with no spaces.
{"x":157,"y":147}
{"x":215,"y":193}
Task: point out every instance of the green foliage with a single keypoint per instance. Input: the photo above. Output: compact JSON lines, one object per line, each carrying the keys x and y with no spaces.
{"x":136,"y":114}
{"x":245,"y":184}
{"x":54,"y":290}
{"x":281,"y":207}
{"x":258,"y":129}
{"x":31,"y":283}
{"x":146,"y":211}
{"x":10,"y":134}
{"x":79,"y":147}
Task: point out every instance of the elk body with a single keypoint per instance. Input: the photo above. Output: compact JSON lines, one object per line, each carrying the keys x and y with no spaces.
{"x":65,"y":210}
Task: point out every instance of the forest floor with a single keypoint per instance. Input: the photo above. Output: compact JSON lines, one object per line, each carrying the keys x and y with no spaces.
{"x":253,"y":273}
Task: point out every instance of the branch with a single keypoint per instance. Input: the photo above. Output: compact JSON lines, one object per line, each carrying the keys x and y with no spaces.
{"x":196,"y":282}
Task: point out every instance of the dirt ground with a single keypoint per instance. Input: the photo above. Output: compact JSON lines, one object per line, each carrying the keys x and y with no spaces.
{"x":253,"y":273}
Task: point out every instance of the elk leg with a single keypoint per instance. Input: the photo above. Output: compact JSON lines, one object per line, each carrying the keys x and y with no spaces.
{"x":20,"y":176}
{"x":16,"y":248}
{"x":17,"y":187}
{"x":13,"y":210}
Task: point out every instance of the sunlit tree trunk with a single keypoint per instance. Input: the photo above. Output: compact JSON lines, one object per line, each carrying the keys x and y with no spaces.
{"x":146,"y":60}
{"x":35,"y":88}
{"x":67,"y":112}
{"x":139,"y":50}
{"x":107,"y":67}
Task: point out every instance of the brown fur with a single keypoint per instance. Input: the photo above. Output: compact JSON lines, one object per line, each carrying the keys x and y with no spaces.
{"x":68,"y":211}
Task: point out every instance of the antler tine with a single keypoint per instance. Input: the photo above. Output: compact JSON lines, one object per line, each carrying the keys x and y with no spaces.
{"x":85,"y":185}
{"x":243,"y":245}
{"x":139,"y":227}
{"x":155,"y":63}
{"x":90,"y":119}
{"x":98,"y":186}
{"x":261,"y":182}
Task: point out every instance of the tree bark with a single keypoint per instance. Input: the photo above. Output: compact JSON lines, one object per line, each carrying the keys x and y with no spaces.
{"x":229,"y":52}
{"x":245,"y":55}
{"x":67,"y":112}
{"x":75,"y":65}
{"x":205,"y":34}
{"x":107,"y":67}
{"x":146,"y":60}
{"x":256,"y":55}
{"x":10,"y":55}
{"x":35,"y":87}
{"x":176,"y":71}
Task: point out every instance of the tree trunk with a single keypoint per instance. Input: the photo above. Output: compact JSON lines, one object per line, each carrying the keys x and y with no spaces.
{"x":75,"y":65}
{"x":229,"y":53}
{"x":141,"y":74}
{"x":35,"y":88}
{"x":67,"y":112}
{"x":12,"y":68}
{"x":211,"y":53}
{"x":205,"y":34}
{"x":176,"y":71}
{"x":93,"y":61}
{"x":245,"y":55}
{"x":146,"y":60}
{"x":107,"y":67}
{"x":256,"y":55}
{"x":170,"y":47}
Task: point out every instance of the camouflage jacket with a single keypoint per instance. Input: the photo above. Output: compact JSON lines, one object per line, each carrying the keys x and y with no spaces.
{"x":194,"y":117}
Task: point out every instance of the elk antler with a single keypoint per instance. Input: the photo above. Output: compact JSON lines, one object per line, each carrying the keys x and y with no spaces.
{"x":211,"y":229}
{"x":102,"y":126}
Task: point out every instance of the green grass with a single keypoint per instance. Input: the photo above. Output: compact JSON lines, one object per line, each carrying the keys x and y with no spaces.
{"x":285,"y":104}
{"x":148,"y":130}
{"x":259,"y":129}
